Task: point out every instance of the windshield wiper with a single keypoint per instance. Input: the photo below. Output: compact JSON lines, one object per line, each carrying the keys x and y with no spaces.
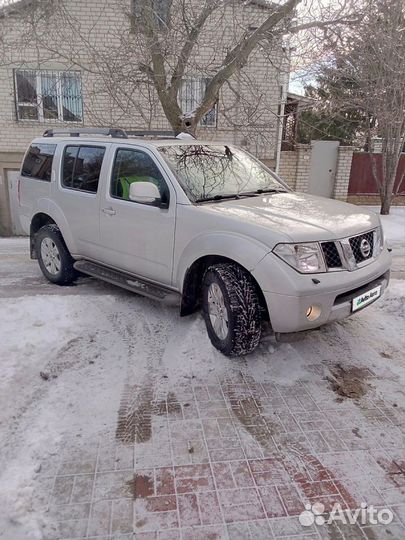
{"x":260,"y":191}
{"x":222,"y":197}
{"x":217,"y":198}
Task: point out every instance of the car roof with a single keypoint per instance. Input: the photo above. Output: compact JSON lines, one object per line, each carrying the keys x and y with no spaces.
{"x":131,"y":140}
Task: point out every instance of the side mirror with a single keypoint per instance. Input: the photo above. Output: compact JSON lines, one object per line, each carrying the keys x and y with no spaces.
{"x":144,"y":192}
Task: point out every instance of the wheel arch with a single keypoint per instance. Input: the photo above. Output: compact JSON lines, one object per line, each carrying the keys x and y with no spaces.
{"x":39,"y":220}
{"x":48,"y":212}
{"x":192,"y":284}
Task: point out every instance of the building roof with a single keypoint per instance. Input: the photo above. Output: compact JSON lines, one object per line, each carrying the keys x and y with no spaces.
{"x":302,"y":100}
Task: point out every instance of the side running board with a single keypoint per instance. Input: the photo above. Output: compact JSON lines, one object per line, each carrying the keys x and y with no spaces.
{"x":127,"y":281}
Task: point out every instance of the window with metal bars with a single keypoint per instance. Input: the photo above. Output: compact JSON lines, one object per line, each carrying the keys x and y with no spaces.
{"x":191,"y":94}
{"x":46,"y":96}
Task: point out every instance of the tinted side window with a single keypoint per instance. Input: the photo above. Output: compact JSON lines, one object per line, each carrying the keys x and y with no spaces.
{"x":81,"y":167}
{"x":135,"y":166}
{"x":69,"y":160}
{"x":38,"y":162}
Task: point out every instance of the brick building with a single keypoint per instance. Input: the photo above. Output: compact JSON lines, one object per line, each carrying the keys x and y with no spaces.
{"x":41,"y":88}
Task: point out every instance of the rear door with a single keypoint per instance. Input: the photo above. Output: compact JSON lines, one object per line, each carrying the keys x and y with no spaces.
{"x":82,"y":169}
{"x":34,"y":180}
{"x":138,"y":237}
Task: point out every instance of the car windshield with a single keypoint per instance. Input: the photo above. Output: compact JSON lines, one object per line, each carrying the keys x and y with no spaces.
{"x":215,"y":172}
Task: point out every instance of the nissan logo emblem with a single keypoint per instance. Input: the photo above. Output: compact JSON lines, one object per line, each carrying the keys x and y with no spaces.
{"x":365,"y":248}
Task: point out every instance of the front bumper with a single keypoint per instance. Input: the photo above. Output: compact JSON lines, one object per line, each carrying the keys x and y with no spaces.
{"x":289,"y":294}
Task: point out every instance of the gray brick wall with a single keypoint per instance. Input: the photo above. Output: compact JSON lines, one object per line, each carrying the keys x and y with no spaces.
{"x":247,"y":106}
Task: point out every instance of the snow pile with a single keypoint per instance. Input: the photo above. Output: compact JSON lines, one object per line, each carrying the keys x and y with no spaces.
{"x":393,"y":224}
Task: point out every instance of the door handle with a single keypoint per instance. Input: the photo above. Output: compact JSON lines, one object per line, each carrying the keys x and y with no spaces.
{"x":109,"y":211}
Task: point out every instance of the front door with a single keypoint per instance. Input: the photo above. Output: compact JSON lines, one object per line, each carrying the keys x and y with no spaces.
{"x":138,"y":237}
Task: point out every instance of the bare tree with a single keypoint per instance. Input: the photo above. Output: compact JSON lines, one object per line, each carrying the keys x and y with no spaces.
{"x":201,"y":39}
{"x":163,"y":41}
{"x":365,"y":76}
{"x":381,"y":82}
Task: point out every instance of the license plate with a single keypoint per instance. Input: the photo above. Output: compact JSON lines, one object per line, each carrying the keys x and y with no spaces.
{"x":366,"y":298}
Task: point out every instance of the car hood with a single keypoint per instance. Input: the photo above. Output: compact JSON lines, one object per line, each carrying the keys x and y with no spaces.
{"x":298,"y":217}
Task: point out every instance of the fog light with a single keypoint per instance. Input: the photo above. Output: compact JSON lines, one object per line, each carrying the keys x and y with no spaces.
{"x":313,"y":313}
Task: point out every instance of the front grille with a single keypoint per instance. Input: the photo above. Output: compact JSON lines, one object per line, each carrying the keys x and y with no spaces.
{"x":331,"y":254}
{"x":362,"y":246}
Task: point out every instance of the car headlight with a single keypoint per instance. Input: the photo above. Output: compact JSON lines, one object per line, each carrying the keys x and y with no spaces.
{"x":306,"y":258}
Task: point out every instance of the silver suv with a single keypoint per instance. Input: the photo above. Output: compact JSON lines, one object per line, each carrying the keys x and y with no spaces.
{"x":204,"y":223}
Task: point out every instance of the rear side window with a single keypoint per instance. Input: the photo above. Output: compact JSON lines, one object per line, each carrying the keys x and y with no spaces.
{"x":81,"y":167}
{"x":38,"y":162}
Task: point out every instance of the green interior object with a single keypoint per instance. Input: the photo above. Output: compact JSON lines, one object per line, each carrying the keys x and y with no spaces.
{"x":126,"y":181}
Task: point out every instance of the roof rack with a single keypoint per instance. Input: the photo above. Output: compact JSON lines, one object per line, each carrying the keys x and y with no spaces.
{"x":160,"y":134}
{"x":106,"y":132}
{"x":116,"y":133}
{"x":152,"y":133}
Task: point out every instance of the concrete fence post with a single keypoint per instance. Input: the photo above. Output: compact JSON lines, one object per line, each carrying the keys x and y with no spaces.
{"x":303,"y":167}
{"x":288,"y":167}
{"x":342,"y":178}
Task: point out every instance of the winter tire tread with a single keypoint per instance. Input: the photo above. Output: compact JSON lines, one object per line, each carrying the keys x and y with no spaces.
{"x":243,"y":307}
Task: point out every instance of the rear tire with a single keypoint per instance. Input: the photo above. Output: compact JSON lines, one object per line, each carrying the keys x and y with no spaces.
{"x":54,"y":258}
{"x":231,"y":309}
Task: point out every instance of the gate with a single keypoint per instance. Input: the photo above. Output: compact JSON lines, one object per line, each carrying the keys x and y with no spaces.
{"x":324,"y":156}
{"x":12,"y":182}
{"x":361,"y":174}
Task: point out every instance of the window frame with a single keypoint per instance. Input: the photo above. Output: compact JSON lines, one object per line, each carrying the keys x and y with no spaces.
{"x":62,"y":161}
{"x":203,"y":81}
{"x":158,"y":166}
{"x":55,"y":146}
{"x":39,"y":104}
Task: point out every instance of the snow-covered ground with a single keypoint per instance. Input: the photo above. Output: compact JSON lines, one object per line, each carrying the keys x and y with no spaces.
{"x":72,"y":358}
{"x":394,"y":229}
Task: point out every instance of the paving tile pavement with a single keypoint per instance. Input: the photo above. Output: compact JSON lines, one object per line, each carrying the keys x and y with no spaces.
{"x":238,"y":459}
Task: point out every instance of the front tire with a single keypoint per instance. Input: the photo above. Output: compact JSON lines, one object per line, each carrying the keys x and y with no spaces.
{"x":54,"y":258}
{"x":231,"y":309}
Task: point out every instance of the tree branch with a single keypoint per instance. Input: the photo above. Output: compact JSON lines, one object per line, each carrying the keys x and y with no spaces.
{"x":347,"y":20}
{"x":188,"y":46}
{"x":239,"y":55}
